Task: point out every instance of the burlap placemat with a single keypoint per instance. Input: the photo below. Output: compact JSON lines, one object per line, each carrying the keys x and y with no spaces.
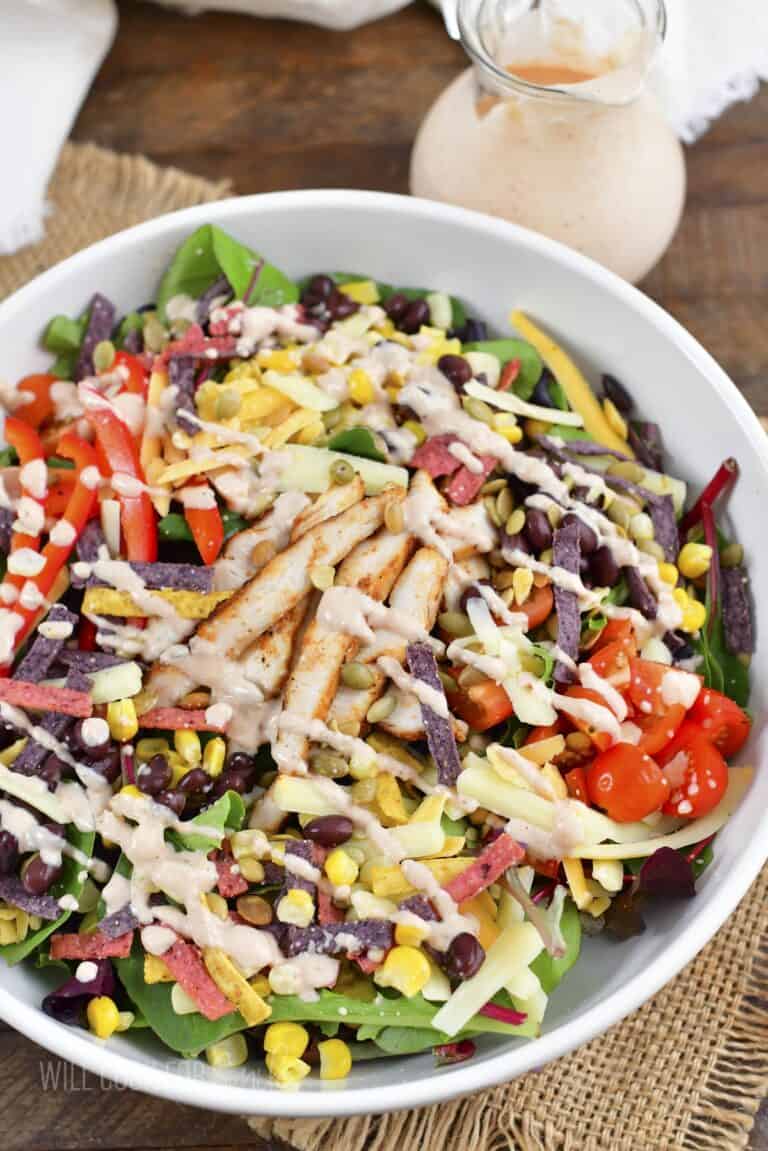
{"x":685,"y":1073}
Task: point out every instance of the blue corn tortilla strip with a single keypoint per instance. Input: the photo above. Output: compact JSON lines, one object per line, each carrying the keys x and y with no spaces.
{"x":174,"y":577}
{"x":591,"y":448}
{"x":88,"y":662}
{"x":31,"y":758}
{"x":118,"y":923}
{"x":13,"y":891}
{"x":219,"y":290}
{"x":645,"y":441}
{"x":90,"y":540}
{"x":7,"y":517}
{"x":43,"y":652}
{"x":662,"y":513}
{"x":66,"y":1004}
{"x":339,"y":938}
{"x":566,"y":554}
{"x":736,"y":611}
{"x":640,"y":595}
{"x":440,"y":738}
{"x":181,"y":375}
{"x":419,"y":905}
{"x":101,"y":321}
{"x":302,"y":848}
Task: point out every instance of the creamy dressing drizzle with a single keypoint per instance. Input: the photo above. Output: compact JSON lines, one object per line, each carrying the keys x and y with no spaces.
{"x":429,"y":696}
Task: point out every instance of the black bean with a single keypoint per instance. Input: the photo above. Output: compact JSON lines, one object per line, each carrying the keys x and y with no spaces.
{"x":108,"y":766}
{"x":587,"y":537}
{"x":538,"y":529}
{"x":320,"y":287}
{"x":473,"y":332}
{"x":541,"y":393}
{"x":340,"y":306}
{"x":464,"y":957}
{"x":233,"y":779}
{"x":241,"y":761}
{"x":329,"y":830}
{"x":517,"y":542}
{"x":55,"y":828}
{"x":9,"y":852}
{"x":155,"y":776}
{"x":617,"y":394}
{"x":471,"y":592}
{"x":195,"y":782}
{"x":82,"y":747}
{"x":51,"y":770}
{"x":176,"y":800}
{"x":605,"y":570}
{"x":37,"y":876}
{"x":456,"y":370}
{"x":417,"y":314}
{"x":8,"y":735}
{"x":396,"y":306}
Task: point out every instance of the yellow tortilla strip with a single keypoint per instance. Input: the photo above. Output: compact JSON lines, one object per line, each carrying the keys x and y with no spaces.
{"x":186,"y":604}
{"x":235,"y":986}
{"x":200,"y":464}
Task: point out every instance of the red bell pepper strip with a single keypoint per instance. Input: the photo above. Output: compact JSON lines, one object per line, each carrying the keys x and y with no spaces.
{"x":725,"y":475}
{"x":37,"y":697}
{"x":185,"y":964}
{"x":137,"y":516}
{"x":78,"y":512}
{"x":207,"y":528}
{"x":492,"y":862}
{"x":132,"y":370}
{"x":29,"y":448}
{"x":37,"y":410}
{"x":509,"y":374}
{"x":91,"y":945}
{"x":177,"y":719}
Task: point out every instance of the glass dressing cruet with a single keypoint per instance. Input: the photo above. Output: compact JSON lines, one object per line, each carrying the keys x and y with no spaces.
{"x":556,"y":127}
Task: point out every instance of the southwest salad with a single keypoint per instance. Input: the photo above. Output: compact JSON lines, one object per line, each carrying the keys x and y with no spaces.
{"x":353,"y":663}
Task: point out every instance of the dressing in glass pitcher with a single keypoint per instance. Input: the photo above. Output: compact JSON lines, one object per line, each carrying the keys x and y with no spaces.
{"x":554,"y":127}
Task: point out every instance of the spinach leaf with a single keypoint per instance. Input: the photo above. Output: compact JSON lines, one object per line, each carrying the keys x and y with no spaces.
{"x":210,"y":252}
{"x":531,"y":363}
{"x":8,"y":458}
{"x":226,"y":814}
{"x":63,"y":338}
{"x":174,"y":527}
{"x":69,"y":884}
{"x":723,"y":671}
{"x":186,"y":1034}
{"x":702,"y":860}
{"x":356,"y":442}
{"x":550,"y":970}
{"x":618,"y":594}
{"x":60,"y":464}
{"x":406,"y":1040}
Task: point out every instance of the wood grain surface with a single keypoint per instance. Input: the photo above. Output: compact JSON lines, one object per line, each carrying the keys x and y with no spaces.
{"x":270,"y":105}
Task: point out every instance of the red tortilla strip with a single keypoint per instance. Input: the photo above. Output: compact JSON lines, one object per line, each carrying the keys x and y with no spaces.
{"x":486,"y":869}
{"x":366,"y":965}
{"x":230,"y":883}
{"x":465,"y":484}
{"x":92,"y":945}
{"x":327,"y":911}
{"x":35,"y":697}
{"x":177,"y":719}
{"x":185,"y":964}
{"x":433,"y":456}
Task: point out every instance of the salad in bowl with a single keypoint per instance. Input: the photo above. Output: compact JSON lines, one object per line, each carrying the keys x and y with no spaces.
{"x":354,"y":661}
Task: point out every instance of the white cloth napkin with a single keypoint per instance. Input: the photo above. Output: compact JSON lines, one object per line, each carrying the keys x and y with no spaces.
{"x":50,"y":50}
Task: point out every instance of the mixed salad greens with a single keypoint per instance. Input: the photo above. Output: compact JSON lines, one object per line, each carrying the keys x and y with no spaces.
{"x":352,"y":665}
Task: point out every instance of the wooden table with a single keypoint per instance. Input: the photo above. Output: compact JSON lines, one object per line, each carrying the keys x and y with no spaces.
{"x":273,"y":105}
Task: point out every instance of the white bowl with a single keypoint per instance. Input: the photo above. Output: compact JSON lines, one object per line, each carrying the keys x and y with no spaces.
{"x":610,"y":326}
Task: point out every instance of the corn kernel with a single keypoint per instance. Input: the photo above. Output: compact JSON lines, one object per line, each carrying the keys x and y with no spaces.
{"x":360,"y":387}
{"x":416,"y":429}
{"x":694,"y":612}
{"x":148,"y":747}
{"x":287,"y":1068}
{"x":286,"y":1039}
{"x":213,"y":756}
{"x":668,"y":573}
{"x":614,"y":419}
{"x":156,"y":970}
{"x":278,"y":361}
{"x":103,"y":1016}
{"x":335,"y":1059}
{"x":641,"y":526}
{"x":361,"y":291}
{"x":296,"y":907}
{"x":512,"y":435}
{"x":251,"y":869}
{"x":187,"y":744}
{"x":122,"y":719}
{"x":260,"y":985}
{"x":341,"y":868}
{"x":229,"y":1052}
{"x":409,"y":935}
{"x":217,"y":904}
{"x":406,"y":969}
{"x":694,"y":560}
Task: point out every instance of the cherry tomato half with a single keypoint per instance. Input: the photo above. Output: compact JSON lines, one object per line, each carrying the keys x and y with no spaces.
{"x":654,"y":687}
{"x":658,"y":730}
{"x":482,"y":705}
{"x":612,"y":662}
{"x":626,"y":783}
{"x":601,"y":739}
{"x":576,"y":782}
{"x":725,"y":724}
{"x":697,"y":772}
{"x":616,"y":629}
{"x":538,"y":605}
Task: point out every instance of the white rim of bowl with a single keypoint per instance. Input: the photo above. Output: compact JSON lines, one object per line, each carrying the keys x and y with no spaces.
{"x":472,"y":1076}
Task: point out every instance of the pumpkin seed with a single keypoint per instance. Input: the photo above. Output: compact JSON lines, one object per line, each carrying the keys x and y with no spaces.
{"x":394,"y":519}
{"x":251,"y":868}
{"x":651,"y":548}
{"x":477,"y":409}
{"x":357,"y":675}
{"x":381,"y":709}
{"x":103,"y":356}
{"x":505,"y":504}
{"x":342,"y":472}
{"x":490,"y":507}
{"x":492,"y":487}
{"x":254,"y":909}
{"x":627,"y":470}
{"x":455,"y":623}
{"x":155,"y":335}
{"x":328,"y":764}
{"x":516,"y":522}
{"x":732,"y":556}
